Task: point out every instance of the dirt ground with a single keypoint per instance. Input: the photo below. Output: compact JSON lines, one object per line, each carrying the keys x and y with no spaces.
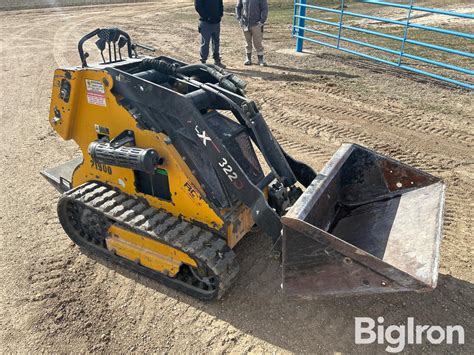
{"x":54,"y":299}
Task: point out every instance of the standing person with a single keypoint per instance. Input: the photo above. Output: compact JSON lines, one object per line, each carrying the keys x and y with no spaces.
{"x":210,"y":15}
{"x":252,"y":15}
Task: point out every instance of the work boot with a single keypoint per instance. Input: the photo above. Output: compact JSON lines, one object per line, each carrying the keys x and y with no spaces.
{"x":219,"y":63}
{"x":203,"y":61}
{"x":261,"y":61}
{"x":248,"y":61}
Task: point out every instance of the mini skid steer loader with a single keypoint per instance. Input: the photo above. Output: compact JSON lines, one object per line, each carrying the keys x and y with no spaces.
{"x":168,"y":183}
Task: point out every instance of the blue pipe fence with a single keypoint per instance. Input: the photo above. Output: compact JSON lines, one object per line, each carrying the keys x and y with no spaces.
{"x":349,"y":31}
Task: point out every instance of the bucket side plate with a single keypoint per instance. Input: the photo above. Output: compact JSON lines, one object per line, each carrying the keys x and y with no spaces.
{"x":367,"y":224}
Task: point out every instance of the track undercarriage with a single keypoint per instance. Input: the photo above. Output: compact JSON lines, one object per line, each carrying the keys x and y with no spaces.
{"x":92,"y":212}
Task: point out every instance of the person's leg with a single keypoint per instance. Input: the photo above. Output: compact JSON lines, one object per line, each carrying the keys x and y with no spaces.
{"x":205,"y":31}
{"x":248,"y":47}
{"x":215,"y":37}
{"x":257,"y":37}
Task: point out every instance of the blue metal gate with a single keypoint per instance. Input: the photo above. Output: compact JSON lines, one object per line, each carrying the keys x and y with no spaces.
{"x":358,"y":33}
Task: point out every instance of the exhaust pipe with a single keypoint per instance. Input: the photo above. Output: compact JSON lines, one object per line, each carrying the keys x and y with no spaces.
{"x":366,"y":224}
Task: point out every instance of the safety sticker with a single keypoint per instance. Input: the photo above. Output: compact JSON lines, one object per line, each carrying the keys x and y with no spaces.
{"x":102,"y":130}
{"x":95,"y":93}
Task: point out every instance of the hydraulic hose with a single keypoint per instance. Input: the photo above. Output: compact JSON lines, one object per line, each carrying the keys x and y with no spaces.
{"x":226,"y":80}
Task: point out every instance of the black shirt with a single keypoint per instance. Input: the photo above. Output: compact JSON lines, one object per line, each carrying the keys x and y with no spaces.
{"x":209,"y":11}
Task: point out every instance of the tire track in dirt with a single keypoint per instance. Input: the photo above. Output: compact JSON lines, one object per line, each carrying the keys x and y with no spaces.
{"x":314,"y":127}
{"x":458,"y":219}
{"x":48,"y":276}
{"x":327,"y":89}
{"x":295,"y":146}
{"x":410,"y":122}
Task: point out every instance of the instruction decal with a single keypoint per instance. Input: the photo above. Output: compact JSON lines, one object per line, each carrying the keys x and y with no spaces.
{"x":95,"y":93}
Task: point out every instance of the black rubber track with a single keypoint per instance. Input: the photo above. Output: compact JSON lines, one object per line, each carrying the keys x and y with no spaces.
{"x":110,"y":206}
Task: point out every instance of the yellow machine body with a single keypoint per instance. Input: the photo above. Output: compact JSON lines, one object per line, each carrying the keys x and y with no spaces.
{"x":92,"y":113}
{"x":147,"y":252}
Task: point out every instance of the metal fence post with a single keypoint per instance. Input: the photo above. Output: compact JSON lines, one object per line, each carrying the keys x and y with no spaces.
{"x":405,"y":33}
{"x":295,"y":13}
{"x":301,"y":14}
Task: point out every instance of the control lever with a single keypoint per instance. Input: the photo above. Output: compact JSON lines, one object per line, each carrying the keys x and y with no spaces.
{"x":121,"y":43}
{"x":142,"y":46}
{"x":100,"y":43}
{"x":114,"y":38}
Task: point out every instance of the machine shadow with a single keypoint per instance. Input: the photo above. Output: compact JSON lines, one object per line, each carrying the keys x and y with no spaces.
{"x":257,"y":307}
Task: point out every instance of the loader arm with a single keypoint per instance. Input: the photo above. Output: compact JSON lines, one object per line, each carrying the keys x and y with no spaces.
{"x":150,"y":95}
{"x":212,"y":96}
{"x":285,"y":167}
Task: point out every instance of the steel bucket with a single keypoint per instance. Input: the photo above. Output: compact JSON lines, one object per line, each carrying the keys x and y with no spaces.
{"x":366,"y":224}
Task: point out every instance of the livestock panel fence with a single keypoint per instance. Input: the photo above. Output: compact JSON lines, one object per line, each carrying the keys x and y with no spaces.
{"x":438,"y":43}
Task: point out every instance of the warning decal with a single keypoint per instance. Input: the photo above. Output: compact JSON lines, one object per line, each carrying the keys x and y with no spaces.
{"x":95,"y":93}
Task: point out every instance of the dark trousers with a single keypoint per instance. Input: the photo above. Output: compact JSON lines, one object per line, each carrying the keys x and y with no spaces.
{"x":210,"y":32}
